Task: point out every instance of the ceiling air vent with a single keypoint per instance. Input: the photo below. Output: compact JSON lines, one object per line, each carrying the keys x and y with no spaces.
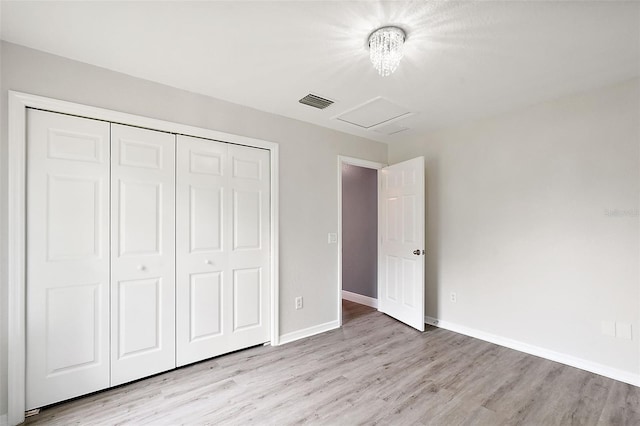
{"x":315,"y":101}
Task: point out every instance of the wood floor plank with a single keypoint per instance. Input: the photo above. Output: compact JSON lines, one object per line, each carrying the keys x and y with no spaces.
{"x":622,"y":406}
{"x":372,"y":371}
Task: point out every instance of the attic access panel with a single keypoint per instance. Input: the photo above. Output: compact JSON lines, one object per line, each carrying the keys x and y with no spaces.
{"x":390,"y":128}
{"x":373,"y":113}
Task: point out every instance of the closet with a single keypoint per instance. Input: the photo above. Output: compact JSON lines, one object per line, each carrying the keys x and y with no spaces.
{"x":146,"y":250}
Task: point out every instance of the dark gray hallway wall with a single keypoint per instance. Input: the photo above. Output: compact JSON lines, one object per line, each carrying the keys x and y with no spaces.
{"x":359,"y":230}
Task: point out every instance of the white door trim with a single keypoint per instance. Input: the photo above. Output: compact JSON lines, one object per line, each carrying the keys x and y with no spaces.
{"x":354,"y":162}
{"x":16,"y":261}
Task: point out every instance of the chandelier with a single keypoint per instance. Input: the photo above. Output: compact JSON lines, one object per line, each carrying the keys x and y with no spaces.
{"x":385,"y":49}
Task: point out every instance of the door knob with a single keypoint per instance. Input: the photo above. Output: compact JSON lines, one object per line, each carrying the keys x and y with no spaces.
{"x":141,"y":268}
{"x":208,"y":262}
{"x":416,"y":252}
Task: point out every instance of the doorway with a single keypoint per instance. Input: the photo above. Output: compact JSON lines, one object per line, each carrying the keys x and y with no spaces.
{"x":358,"y":232}
{"x":399,"y":237}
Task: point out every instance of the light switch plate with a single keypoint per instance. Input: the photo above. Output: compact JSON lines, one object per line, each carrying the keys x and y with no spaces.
{"x":332,"y":238}
{"x":623,"y":331}
{"x":608,"y":328}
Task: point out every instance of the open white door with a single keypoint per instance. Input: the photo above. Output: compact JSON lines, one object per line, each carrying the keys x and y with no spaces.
{"x":401,"y":253}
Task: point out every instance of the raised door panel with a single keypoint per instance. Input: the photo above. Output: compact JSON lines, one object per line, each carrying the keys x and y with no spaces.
{"x":391,"y":223}
{"x":392,"y":277}
{"x":138,"y":153}
{"x":67,"y":288}
{"x":205,"y":218}
{"x":205,"y":305}
{"x":409,"y":225}
{"x":247,"y":220}
{"x":72,"y":335}
{"x":143,"y":250}
{"x":139,"y":228}
{"x":139,"y":314}
{"x":247,"y":295}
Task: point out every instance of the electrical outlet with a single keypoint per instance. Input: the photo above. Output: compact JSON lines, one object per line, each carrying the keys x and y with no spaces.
{"x":332,"y":238}
{"x":298,"y":302}
{"x":453,"y":297}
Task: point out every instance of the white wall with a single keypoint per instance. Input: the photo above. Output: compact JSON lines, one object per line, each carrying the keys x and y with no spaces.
{"x":308,"y":174}
{"x":522,"y":224}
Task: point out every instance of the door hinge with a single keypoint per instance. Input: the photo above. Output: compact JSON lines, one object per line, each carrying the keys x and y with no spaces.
{"x":33,"y":412}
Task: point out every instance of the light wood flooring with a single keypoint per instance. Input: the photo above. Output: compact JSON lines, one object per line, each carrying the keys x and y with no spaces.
{"x":374,"y":370}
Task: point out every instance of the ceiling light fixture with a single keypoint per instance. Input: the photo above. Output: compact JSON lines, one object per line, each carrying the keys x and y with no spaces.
{"x":385,"y":49}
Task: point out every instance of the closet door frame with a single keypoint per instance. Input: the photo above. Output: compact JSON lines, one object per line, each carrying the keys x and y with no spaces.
{"x":16,"y":258}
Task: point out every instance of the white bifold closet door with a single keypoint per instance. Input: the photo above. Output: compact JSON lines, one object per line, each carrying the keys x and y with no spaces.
{"x":106,"y":242}
{"x":67,"y":296}
{"x":142,"y":253}
{"x":223,"y":248}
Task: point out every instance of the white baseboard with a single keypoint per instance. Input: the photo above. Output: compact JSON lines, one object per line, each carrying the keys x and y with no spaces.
{"x":308,"y":332}
{"x":3,"y":420}
{"x":358,"y":298}
{"x":583,"y":364}
{"x":431,"y":321}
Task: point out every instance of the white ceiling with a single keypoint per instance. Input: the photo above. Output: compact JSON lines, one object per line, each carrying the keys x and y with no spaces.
{"x":463,"y":60}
